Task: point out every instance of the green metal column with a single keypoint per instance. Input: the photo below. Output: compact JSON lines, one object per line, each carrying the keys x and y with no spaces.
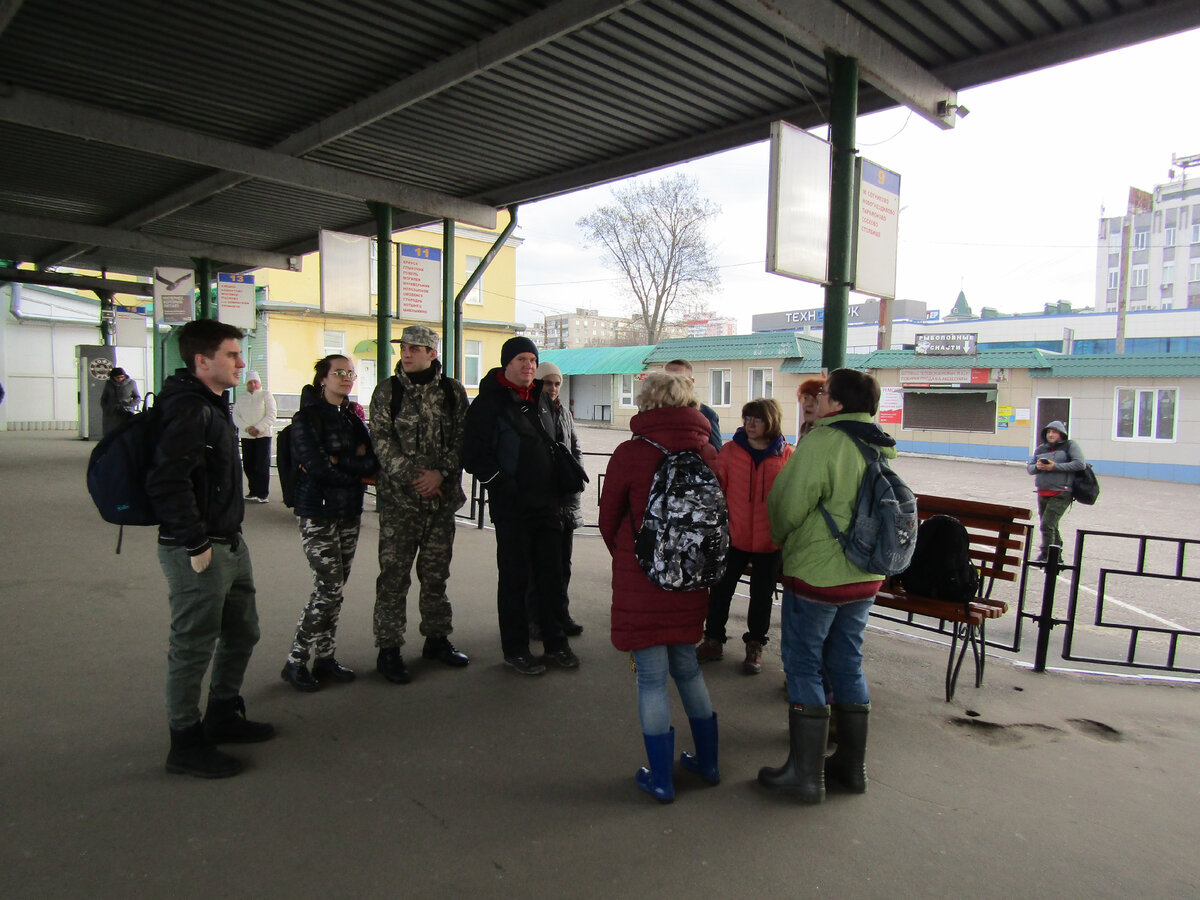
{"x":383,"y":290}
{"x":843,"y":78}
{"x":449,"y":339}
{"x":204,"y":284}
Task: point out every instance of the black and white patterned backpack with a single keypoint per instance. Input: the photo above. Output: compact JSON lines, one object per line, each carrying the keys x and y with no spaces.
{"x":684,"y":537}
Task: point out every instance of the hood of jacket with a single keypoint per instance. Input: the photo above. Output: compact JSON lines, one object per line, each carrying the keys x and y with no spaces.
{"x":675,"y":427}
{"x":1058,"y":426}
{"x":860,"y":426}
{"x":775,"y":448}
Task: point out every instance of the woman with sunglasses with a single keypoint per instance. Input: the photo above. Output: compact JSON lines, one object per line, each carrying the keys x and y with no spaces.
{"x":746,"y":467}
{"x":333,"y":449}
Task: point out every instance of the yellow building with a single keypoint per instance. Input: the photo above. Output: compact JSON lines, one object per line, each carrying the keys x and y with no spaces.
{"x":293,"y":332}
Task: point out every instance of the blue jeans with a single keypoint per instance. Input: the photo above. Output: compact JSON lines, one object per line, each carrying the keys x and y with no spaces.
{"x":823,"y":637}
{"x":653,"y":666}
{"x":213,"y":620}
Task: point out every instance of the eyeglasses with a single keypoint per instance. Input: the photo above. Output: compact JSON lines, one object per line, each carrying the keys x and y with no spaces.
{"x":753,"y":420}
{"x":344,"y":373}
{"x":822,"y":392}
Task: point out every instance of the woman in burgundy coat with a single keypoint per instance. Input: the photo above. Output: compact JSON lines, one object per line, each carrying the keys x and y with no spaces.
{"x":660,"y":628}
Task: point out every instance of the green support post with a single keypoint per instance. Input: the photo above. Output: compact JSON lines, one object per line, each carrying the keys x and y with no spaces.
{"x":383,"y":291}
{"x":843,"y":77}
{"x":204,"y":285}
{"x":473,"y":279}
{"x":449,"y":339}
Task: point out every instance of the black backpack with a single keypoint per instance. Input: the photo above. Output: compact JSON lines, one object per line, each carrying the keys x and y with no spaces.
{"x":1084,"y":486}
{"x":941,"y":565}
{"x":287,"y":467}
{"x":684,"y":537}
{"x":117,"y":469}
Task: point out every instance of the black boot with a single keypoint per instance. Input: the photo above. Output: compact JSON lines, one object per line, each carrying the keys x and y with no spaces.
{"x":391,"y":665}
{"x":847,"y":765}
{"x":225,"y":722}
{"x":327,"y":668}
{"x":803,"y":775}
{"x":192,"y":754}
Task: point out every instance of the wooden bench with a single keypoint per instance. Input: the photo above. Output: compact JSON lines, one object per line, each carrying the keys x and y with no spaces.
{"x":999,"y":535}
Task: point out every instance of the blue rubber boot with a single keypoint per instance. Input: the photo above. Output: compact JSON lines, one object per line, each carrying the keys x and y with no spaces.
{"x":704,"y":763}
{"x":659,"y":780}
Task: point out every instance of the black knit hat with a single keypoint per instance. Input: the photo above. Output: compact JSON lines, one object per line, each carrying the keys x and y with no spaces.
{"x":516,"y":346}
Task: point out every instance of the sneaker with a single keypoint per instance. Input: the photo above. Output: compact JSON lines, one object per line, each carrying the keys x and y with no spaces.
{"x":710,"y":650}
{"x":753,"y":662}
{"x":261,"y":500}
{"x":391,"y":665}
{"x":525,"y":664}
{"x":439,"y":647}
{"x":564,"y":657}
{"x":571,"y":628}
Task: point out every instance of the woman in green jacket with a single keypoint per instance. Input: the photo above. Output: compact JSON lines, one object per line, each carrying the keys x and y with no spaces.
{"x":826,"y":598}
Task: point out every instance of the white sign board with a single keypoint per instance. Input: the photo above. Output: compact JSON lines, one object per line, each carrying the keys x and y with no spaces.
{"x":420,"y":283}
{"x":878,"y":230}
{"x":345,"y":273}
{"x":130,"y":329}
{"x":235,"y":300}
{"x":174,"y":291}
{"x":798,"y":204}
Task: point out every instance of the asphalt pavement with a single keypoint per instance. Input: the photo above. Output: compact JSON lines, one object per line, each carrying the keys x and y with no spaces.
{"x":481,"y":782}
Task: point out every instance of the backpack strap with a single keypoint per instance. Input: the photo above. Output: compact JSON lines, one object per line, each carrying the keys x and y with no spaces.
{"x":640,"y":437}
{"x":866,"y":454}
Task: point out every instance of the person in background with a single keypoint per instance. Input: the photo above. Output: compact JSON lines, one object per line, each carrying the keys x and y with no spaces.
{"x":254,"y":415}
{"x":564,"y":430}
{"x":806,"y":395}
{"x":334,"y":453}
{"x":747,"y":467}
{"x":507,"y":450}
{"x":119,"y":400}
{"x":194,"y":483}
{"x":683,"y":367}
{"x":1053,"y":465}
{"x":826,"y":598}
{"x":660,"y":628}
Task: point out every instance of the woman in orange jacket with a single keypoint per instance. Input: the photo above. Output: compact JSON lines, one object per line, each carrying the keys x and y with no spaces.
{"x":747,"y":467}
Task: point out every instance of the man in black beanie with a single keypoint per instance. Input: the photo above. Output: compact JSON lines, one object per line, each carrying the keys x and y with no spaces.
{"x":508,"y":447}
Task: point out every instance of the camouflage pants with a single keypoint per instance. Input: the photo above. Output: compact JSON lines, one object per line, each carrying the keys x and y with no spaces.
{"x":408,"y":533}
{"x":329,"y":545}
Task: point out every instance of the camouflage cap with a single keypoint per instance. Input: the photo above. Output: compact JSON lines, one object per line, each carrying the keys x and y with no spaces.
{"x":419,"y":336}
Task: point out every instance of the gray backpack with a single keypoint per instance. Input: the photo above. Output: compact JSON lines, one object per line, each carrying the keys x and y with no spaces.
{"x":883,"y":530}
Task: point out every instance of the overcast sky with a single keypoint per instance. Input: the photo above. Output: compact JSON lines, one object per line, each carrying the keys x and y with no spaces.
{"x":1006,"y":205}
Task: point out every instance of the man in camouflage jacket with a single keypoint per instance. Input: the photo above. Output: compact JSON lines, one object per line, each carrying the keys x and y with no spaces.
{"x":419,"y":489}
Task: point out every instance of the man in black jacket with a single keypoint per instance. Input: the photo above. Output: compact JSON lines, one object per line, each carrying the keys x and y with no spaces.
{"x":195,"y":484}
{"x":507,"y":447}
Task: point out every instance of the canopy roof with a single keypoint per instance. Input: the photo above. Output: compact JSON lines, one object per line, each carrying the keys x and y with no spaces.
{"x":141,"y":133}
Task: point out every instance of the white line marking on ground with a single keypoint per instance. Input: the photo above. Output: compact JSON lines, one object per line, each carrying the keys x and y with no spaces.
{"x":1129,"y":606}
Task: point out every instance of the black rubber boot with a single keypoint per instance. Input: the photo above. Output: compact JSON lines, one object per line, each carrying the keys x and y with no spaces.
{"x":391,"y":665}
{"x":225,"y":722}
{"x":803,"y":775}
{"x":192,"y":754}
{"x":847,"y":766}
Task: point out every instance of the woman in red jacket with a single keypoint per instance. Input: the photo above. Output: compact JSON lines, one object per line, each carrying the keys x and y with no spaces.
{"x":660,"y":628}
{"x":747,"y":468}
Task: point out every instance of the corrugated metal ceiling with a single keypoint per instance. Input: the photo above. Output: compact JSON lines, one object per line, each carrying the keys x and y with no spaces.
{"x":492,"y":102}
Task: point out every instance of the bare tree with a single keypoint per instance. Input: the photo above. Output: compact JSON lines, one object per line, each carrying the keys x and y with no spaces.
{"x":654,"y":234}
